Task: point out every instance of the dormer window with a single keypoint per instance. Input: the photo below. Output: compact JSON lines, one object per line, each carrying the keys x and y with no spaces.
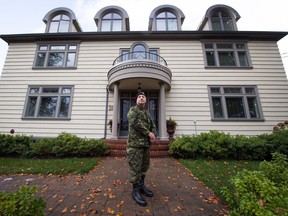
{"x":111,"y":22}
{"x":220,"y":18}
{"x":112,"y":18}
{"x":61,"y":20}
{"x":166,"y":21}
{"x":59,"y":23}
{"x":166,"y":18}
{"x":221,"y":21}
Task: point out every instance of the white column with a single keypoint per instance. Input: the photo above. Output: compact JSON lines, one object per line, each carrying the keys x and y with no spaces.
{"x":162,"y":129}
{"x":115,"y":112}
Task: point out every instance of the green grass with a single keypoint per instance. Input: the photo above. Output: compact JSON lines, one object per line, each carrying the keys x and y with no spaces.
{"x":9,"y":166}
{"x":218,"y":173}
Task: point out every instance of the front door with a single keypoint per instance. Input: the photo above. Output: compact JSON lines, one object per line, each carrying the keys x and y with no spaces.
{"x":127,"y":99}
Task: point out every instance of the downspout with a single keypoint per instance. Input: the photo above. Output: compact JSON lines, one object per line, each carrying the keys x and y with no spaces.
{"x":106,"y":111}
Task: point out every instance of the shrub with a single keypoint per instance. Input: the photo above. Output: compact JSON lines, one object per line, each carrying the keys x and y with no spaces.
{"x":262,"y":192}
{"x":184,"y":147}
{"x":14,"y":144}
{"x":23,"y":202}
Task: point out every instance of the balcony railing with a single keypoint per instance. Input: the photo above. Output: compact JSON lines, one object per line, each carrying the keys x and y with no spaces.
{"x":150,"y":56}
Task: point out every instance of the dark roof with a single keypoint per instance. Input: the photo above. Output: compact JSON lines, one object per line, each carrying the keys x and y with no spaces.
{"x":146,"y":35}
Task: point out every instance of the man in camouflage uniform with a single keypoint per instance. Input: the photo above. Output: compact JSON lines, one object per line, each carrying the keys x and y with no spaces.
{"x":142,"y":132}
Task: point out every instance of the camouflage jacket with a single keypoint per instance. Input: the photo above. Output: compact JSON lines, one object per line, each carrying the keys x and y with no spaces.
{"x":140,"y":125}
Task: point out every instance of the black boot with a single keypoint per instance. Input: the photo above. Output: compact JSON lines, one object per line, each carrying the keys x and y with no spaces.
{"x":136,"y":195}
{"x":144,"y":190}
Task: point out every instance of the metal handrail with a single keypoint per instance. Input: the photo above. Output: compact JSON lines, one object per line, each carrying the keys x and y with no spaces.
{"x":140,"y":55}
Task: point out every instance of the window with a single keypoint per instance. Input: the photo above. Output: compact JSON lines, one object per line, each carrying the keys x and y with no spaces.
{"x":226,"y":55}
{"x":139,"y":51}
{"x":234,"y":103}
{"x":59,"y":23}
{"x":221,"y":21}
{"x":111,"y":22}
{"x":166,"y":21}
{"x":48,"y":102}
{"x":56,"y":56}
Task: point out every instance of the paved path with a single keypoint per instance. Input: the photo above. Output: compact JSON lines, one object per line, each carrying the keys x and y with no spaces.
{"x":106,"y":191}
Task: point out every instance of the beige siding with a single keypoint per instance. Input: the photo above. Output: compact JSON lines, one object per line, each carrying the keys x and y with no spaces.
{"x":187,"y":101}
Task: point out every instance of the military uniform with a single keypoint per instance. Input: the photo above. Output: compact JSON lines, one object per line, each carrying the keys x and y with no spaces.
{"x":138,"y":144}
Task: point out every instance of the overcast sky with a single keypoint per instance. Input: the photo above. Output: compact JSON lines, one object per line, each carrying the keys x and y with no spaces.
{"x":25,"y":16}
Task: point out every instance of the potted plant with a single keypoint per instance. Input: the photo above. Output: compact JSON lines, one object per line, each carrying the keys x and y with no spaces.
{"x":110,"y":124}
{"x":171,"y":127}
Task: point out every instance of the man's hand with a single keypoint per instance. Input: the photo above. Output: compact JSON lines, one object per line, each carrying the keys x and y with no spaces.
{"x":152,"y":137}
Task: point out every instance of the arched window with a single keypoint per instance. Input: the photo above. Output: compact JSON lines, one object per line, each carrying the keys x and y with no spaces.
{"x":112,"y":18}
{"x":221,"y":21}
{"x":61,"y":20}
{"x":111,"y":22}
{"x":166,"y":21}
{"x":166,"y":18}
{"x":59,"y":23}
{"x":139,"y":52}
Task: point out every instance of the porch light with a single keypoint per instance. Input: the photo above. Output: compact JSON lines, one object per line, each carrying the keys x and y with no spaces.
{"x":139,"y":88}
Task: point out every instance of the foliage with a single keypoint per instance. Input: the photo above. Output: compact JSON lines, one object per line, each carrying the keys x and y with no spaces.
{"x":263,"y":192}
{"x":23,"y":202}
{"x":171,"y":122}
{"x":218,"y":145}
{"x":14,"y":144}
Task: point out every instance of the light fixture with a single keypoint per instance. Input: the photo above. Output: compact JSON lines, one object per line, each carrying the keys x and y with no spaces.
{"x":139,"y":88}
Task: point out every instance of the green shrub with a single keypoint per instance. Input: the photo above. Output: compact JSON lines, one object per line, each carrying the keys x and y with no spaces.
{"x":43,"y":147}
{"x":23,"y":202}
{"x":14,"y":144}
{"x":184,"y":147}
{"x":263,"y":192}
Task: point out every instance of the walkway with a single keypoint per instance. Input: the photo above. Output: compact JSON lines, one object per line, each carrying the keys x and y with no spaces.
{"x":106,"y":191}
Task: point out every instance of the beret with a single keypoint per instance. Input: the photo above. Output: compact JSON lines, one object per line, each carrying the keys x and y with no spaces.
{"x":140,"y":93}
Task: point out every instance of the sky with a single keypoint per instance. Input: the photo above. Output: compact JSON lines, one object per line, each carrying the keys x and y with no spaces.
{"x":25,"y":16}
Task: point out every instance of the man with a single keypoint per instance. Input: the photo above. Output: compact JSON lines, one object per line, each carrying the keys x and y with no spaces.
{"x":142,"y":132}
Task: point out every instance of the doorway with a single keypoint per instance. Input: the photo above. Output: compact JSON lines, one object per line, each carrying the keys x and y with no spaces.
{"x":128,"y":99}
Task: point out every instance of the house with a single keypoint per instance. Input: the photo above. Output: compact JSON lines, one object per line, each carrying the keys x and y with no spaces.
{"x":214,"y":78}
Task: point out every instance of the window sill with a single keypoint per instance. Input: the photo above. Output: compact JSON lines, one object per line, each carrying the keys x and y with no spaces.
{"x":46,"y":119}
{"x":54,"y":68}
{"x":227,"y":120}
{"x":229,"y":68}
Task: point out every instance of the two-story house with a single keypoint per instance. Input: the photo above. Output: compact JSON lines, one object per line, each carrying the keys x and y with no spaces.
{"x":214,"y":78}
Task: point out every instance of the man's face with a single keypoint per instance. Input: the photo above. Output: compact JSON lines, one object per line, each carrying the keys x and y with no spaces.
{"x":141,"y":100}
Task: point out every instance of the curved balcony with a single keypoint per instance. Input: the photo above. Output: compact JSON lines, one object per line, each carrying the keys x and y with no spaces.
{"x":135,"y":65}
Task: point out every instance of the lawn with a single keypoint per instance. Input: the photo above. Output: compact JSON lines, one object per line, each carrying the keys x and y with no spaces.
{"x":9,"y":166}
{"x":218,"y":173}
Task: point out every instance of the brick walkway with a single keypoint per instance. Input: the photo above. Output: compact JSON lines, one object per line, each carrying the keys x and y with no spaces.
{"x":106,"y":191}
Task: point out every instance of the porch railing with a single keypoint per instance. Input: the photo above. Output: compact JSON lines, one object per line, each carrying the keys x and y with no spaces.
{"x":141,"y":55}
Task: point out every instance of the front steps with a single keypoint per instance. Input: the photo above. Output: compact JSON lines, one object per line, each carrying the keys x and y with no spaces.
{"x":117,"y":148}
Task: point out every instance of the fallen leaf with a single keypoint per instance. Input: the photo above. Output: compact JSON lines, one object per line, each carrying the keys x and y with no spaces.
{"x":65,"y":210}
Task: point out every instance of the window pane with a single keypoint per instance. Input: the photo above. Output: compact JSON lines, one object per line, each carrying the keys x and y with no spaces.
{"x":117,"y":25}
{"x":232,"y":90}
{"x":56,"y":17}
{"x":228,"y":24}
{"x":125,"y":55}
{"x":235,"y":108}
{"x":50,"y":90}
{"x":106,"y":25}
{"x":71,"y":60}
{"x":240,"y":46}
{"x":34,"y":90}
{"x":224,"y":46}
{"x":64,"y":106}
{"x":215,"y":90}
{"x":153,"y":55}
{"x":65,"y":17}
{"x":161,"y":15}
{"x":116,"y":16}
{"x":64,"y":26}
{"x":253,"y":107}
{"x":108,"y":16}
{"x":226,"y":59}
{"x":58,"y":47}
{"x":250,"y":91}
{"x":217,"y":107}
{"x":216,"y":25}
{"x":208,"y":46}
{"x":172,"y":24}
{"x":210,"y":58}
{"x":243,"y":59}
{"x":53,"y":27}
{"x":40,"y":59}
{"x":31,"y":106}
{"x":48,"y":107}
{"x":56,"y":59}
{"x":43,"y":48}
{"x":66,"y":90}
{"x":161,"y":25}
{"x":72,"y":47}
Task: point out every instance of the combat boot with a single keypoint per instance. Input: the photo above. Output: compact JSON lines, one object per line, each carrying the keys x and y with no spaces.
{"x":136,"y":195}
{"x":144,"y":190}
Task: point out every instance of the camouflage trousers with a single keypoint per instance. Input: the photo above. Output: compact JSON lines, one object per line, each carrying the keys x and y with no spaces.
{"x":139,"y":162}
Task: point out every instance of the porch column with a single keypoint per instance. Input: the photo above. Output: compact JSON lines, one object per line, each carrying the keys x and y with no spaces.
{"x":115,"y":112}
{"x":163,"y":128}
